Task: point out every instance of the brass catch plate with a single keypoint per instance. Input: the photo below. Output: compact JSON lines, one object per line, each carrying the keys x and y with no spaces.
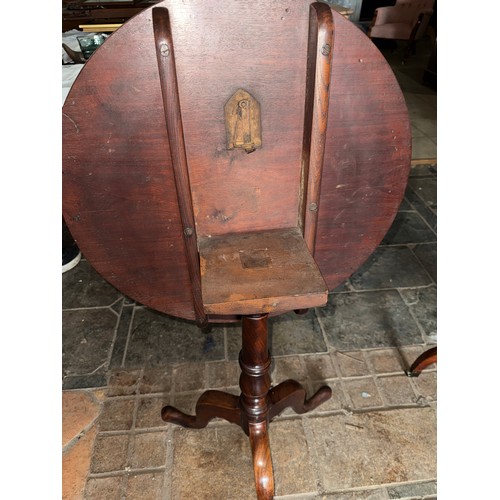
{"x":242,"y":117}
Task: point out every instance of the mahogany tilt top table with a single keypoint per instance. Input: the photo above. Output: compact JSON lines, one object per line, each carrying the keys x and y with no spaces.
{"x":227,"y":161}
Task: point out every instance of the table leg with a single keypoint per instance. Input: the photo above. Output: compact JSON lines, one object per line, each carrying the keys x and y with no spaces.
{"x":257,"y":404}
{"x":423,"y":361}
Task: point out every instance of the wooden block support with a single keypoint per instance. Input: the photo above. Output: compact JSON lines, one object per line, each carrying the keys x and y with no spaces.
{"x":259,"y":272}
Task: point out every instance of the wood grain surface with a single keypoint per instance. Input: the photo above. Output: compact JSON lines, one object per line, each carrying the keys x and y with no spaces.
{"x":119,"y":193}
{"x":259,"y":272}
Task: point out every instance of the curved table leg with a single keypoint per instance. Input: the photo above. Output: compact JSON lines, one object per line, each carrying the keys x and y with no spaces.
{"x":423,"y":361}
{"x":257,"y":404}
{"x":211,"y":404}
{"x":262,"y":463}
{"x":291,"y":394}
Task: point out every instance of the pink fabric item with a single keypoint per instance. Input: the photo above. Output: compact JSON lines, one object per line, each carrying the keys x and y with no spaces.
{"x":397,"y":21}
{"x":396,"y":31}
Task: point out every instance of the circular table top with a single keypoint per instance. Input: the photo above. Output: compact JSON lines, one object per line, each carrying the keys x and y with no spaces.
{"x":119,"y":195}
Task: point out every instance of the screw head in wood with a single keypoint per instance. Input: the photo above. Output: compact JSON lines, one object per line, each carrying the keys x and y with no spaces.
{"x":164,"y":49}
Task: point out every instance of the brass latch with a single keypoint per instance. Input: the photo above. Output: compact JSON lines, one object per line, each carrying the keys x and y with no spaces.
{"x":242,"y":116}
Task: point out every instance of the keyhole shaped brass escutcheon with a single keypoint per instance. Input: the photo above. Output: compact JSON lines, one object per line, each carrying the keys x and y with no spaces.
{"x":243,"y":126}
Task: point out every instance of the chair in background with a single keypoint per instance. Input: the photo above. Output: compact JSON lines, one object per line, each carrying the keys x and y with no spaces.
{"x":406,"y":20}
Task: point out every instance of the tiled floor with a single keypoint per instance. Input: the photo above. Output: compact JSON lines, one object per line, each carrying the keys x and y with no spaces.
{"x":375,"y":439}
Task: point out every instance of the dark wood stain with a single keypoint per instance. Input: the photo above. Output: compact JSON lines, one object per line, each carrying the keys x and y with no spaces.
{"x":119,"y":190}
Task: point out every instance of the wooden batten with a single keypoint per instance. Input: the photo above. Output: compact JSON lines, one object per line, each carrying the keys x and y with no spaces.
{"x":170,"y":95}
{"x":259,"y":272}
{"x":319,"y":60}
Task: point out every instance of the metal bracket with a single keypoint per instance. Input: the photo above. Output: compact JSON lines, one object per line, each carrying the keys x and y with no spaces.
{"x":242,"y":117}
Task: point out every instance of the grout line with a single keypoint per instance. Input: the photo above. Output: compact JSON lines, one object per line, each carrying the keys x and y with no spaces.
{"x":115,"y":335}
{"x":433,"y":283}
{"x":313,"y":452}
{"x":125,"y":473}
{"x":169,"y":465}
{"x":415,"y":319}
{"x":90,"y":308}
{"x":125,"y":349}
{"x":393,"y":288}
{"x":224,"y":330}
{"x":329,"y":349}
{"x":426,"y":223}
{"x":72,"y":442}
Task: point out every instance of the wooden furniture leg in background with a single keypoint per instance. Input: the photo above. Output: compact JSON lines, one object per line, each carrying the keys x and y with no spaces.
{"x":257,"y":404}
{"x":427,"y":358}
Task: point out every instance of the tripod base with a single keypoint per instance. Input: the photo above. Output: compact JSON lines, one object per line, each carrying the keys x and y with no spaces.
{"x":257,"y":404}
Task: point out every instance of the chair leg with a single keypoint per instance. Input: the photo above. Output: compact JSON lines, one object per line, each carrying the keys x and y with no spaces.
{"x":411,"y":45}
{"x":424,"y":360}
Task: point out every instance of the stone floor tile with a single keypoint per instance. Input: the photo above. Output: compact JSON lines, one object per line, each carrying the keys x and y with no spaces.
{"x":213,"y":463}
{"x":423,"y":208}
{"x":84,"y":287}
{"x":424,"y":147}
{"x":352,"y":363}
{"x":429,"y":98}
{"x":418,"y":108}
{"x":295,"y":334}
{"x":149,"y":412}
{"x":123,"y":382}
{"x":79,"y":410}
{"x":145,"y":486}
{"x":117,"y":415}
{"x":233,"y":340}
{"x":319,"y":367}
{"x":426,"y":384}
{"x":287,"y":367}
{"x":367,"y":320}
{"x":379,"y":494}
{"x":293,"y":470}
{"x":336,"y":402}
{"x":385,"y":360}
{"x":412,"y":490}
{"x":415,"y":132}
{"x":424,"y":170}
{"x":87,"y":339}
{"x":343,"y":287}
{"x":187,"y":402}
{"x":189,"y":377}
{"x":427,"y":255}
{"x":91,"y":381}
{"x":405,"y":206}
{"x":375,"y":448}
{"x":104,"y":488}
{"x":121,"y":338}
{"x":110,"y":453}
{"x":428,"y":126}
{"x":156,"y":380}
{"x":223,"y":374}
{"x":409,"y":354}
{"x":157,"y":339}
{"x":363,"y":393}
{"x":426,"y":189}
{"x":423,"y":304}
{"x":390,"y":267}
{"x":408,"y":227}
{"x":148,"y":450}
{"x":76,"y":465}
{"x":396,"y":390}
